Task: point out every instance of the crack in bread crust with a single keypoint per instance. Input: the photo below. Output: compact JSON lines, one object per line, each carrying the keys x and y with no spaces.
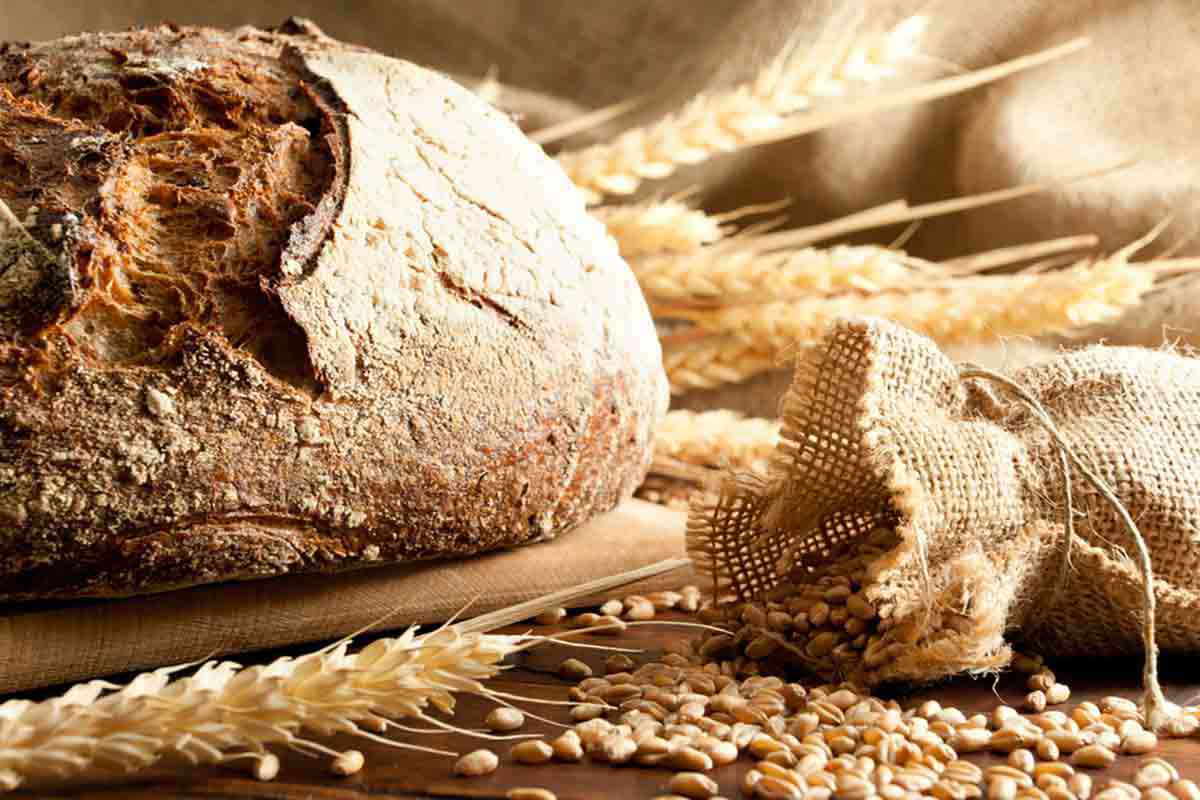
{"x":189,"y":177}
{"x":329,"y":310}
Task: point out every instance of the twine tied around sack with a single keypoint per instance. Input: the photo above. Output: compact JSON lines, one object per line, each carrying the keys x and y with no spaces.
{"x":1158,"y":712}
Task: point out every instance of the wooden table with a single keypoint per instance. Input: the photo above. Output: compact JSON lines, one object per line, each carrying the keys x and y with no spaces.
{"x":393,"y":773}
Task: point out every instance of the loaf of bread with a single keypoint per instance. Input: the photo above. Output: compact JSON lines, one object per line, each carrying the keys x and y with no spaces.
{"x":273,"y":303}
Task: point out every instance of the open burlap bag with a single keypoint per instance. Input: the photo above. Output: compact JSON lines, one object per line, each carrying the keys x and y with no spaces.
{"x":881,"y":429}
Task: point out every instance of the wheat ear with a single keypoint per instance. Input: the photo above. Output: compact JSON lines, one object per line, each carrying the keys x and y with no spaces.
{"x":722,"y":439}
{"x":738,"y":274}
{"x":725,"y":121}
{"x":741,"y":273}
{"x":968,"y":310}
{"x":225,"y":712}
{"x":669,"y":226}
{"x":709,"y":362}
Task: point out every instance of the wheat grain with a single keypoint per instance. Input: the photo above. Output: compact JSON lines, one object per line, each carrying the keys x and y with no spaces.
{"x":715,"y":361}
{"x":969,"y":310}
{"x":531,"y":751}
{"x":476,"y":763}
{"x":1093,"y":756}
{"x":693,"y":784}
{"x":504,"y":719}
{"x":697,"y":708}
{"x":348,"y":763}
{"x":738,"y":274}
{"x":667,"y":226}
{"x":530,"y":793}
{"x":718,"y":438}
{"x":724,"y":121}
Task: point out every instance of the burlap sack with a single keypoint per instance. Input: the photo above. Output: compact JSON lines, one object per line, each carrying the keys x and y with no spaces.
{"x":882,"y":429}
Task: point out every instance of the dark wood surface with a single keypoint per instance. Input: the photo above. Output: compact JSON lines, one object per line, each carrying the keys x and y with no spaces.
{"x":396,"y":773}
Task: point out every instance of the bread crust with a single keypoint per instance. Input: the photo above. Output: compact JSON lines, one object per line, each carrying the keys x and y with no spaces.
{"x":342,"y":315}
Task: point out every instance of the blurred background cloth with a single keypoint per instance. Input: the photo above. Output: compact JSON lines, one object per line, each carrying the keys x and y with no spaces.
{"x":1130,"y":96}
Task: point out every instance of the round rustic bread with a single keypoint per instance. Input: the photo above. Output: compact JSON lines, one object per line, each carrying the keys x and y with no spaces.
{"x":273,"y":303}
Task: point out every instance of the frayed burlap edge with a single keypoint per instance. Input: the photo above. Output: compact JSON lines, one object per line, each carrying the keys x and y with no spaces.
{"x":740,"y":540}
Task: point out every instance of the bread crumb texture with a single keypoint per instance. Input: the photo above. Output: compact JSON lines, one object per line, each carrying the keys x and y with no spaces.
{"x":270,"y":302}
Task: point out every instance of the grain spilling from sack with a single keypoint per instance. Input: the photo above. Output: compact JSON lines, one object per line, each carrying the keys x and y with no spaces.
{"x":697,"y":708}
{"x":935,"y":496}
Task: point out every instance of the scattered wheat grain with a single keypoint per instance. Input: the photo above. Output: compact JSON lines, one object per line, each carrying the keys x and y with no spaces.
{"x":551,"y":616}
{"x":574,"y":669}
{"x":1093,"y":756}
{"x":504,"y":719}
{"x":348,"y":762}
{"x":693,"y":784}
{"x":476,"y":763}
{"x":531,"y":751}
{"x":530,"y":793}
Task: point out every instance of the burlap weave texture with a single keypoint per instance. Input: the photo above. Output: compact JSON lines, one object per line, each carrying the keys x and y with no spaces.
{"x":881,"y":429}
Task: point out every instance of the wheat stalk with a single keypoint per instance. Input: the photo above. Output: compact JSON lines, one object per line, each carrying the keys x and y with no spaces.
{"x":582,"y":122}
{"x":730,"y":274}
{"x":725,"y":121}
{"x":741,"y":273}
{"x":723,"y":439}
{"x":668,"y":226}
{"x":706,"y":363}
{"x":747,"y":340}
{"x":225,"y":712}
{"x":224,"y":706}
{"x":967,"y":310}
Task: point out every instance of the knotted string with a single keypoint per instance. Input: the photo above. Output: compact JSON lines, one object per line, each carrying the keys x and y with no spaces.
{"x":1158,"y":712}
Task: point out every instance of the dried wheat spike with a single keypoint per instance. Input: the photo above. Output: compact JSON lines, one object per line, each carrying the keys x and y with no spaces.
{"x":223,"y":707}
{"x":967,"y":310}
{"x":725,"y":121}
{"x":737,"y":274}
{"x":228,"y":713}
{"x":659,"y":227}
{"x":714,"y":361}
{"x":721,"y":438}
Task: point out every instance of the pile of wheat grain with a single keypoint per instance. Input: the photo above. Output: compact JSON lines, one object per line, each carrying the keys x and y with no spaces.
{"x":699,"y":708}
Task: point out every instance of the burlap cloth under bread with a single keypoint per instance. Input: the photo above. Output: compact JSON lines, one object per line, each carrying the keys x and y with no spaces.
{"x":44,"y":646}
{"x":880,"y":428}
